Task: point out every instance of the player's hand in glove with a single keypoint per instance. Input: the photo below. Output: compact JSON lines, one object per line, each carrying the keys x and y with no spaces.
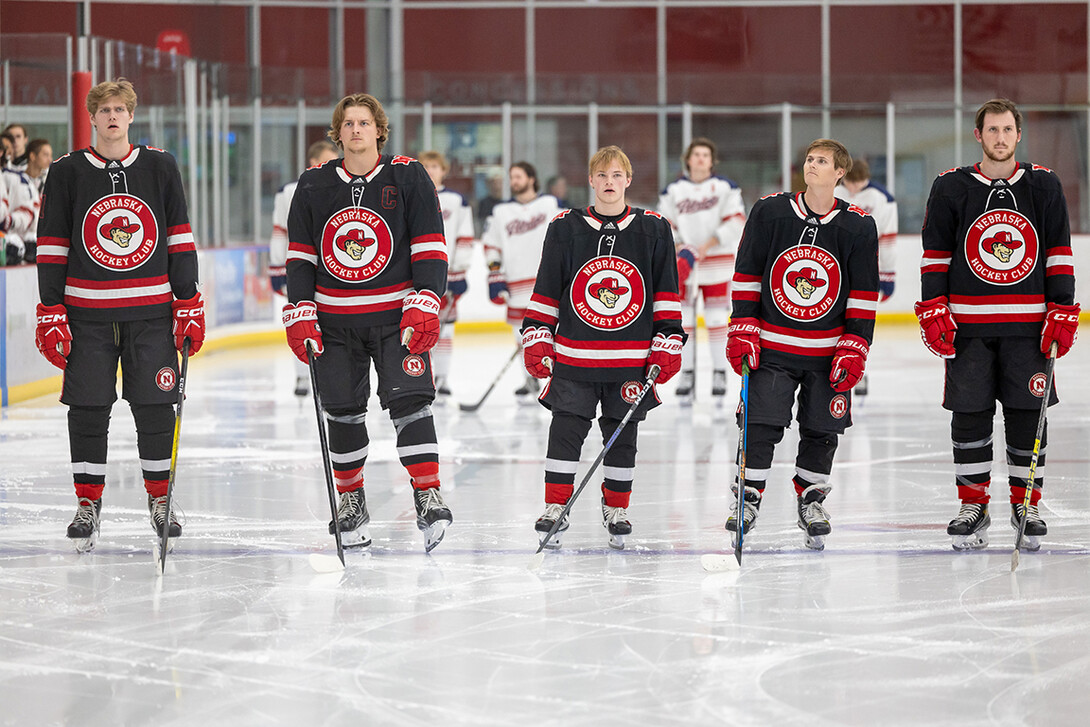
{"x":744,"y":343}
{"x":278,"y":279}
{"x":886,"y":284}
{"x":497,"y":284}
{"x":537,"y":352}
{"x":301,"y":322}
{"x":52,"y":335}
{"x":1061,"y":326}
{"x":420,"y":314}
{"x":666,"y":354}
{"x":849,"y":361}
{"x":686,"y":261}
{"x":937,"y":326}
{"x":457,"y":285}
{"x":189,"y":322}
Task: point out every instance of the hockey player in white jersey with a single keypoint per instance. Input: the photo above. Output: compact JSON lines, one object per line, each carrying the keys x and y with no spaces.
{"x":708,"y":215}
{"x":19,"y":221}
{"x":858,"y":189}
{"x":458,"y":230}
{"x":318,"y":153}
{"x":513,"y":238}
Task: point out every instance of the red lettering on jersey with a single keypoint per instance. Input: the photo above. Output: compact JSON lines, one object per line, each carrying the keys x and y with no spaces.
{"x":651,"y":213}
{"x":1039,"y":168}
{"x":942,"y":174}
{"x":400,"y":159}
{"x":858,"y":210}
{"x":559,"y":216}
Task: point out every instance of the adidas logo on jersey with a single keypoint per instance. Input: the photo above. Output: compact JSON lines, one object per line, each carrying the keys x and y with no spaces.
{"x":811,"y":220}
{"x":609,"y":226}
{"x":113,"y":165}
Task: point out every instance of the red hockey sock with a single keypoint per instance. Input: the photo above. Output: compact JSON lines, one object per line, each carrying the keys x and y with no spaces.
{"x":425,"y":475}
{"x":91,"y":492}
{"x":555,"y":493}
{"x":348,"y":480}
{"x":156,"y":488}
{"x":616,"y":499}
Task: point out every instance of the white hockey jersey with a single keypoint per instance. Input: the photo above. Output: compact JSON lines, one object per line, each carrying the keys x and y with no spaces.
{"x":458,"y":229}
{"x":20,"y":209}
{"x":700,"y":210}
{"x":278,"y":242}
{"x":513,"y":237}
{"x":876,"y":201}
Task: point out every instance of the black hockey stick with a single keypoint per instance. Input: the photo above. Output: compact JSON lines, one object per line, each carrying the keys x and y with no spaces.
{"x":1050,"y":367}
{"x":714,"y":562}
{"x":539,"y":556}
{"x":318,"y":563}
{"x":477,"y":405}
{"x":164,"y":537}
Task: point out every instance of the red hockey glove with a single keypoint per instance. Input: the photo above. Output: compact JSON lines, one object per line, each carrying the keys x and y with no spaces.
{"x":849,"y":361}
{"x":538,"y":352}
{"x":1061,"y":326}
{"x":744,"y":342}
{"x":937,"y":326}
{"x":301,"y":322}
{"x":189,"y":323}
{"x":52,"y":335}
{"x":666,"y":354}
{"x":686,"y":261}
{"x":420,"y":314}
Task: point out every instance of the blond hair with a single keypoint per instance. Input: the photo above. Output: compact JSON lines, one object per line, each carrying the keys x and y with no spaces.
{"x":435,"y":157}
{"x":606,"y":156}
{"x":841,"y":158}
{"x":108,"y":89}
{"x":382,"y":122}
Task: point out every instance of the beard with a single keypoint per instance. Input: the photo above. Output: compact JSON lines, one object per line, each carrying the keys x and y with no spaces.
{"x":517,"y":189}
{"x":1001,"y":157}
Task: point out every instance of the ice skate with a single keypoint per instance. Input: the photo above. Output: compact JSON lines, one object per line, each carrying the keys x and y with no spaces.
{"x":544,"y":524}
{"x":353,"y":518}
{"x":719,"y":385}
{"x":751,"y":506}
{"x":528,"y":392}
{"x":1035,"y":526}
{"x":83,"y":529}
{"x":432,"y":516}
{"x":969,"y":530}
{"x":615,"y":521}
{"x":685,"y":382}
{"x":157,"y":508}
{"x":302,"y":385}
{"x":813,"y":522}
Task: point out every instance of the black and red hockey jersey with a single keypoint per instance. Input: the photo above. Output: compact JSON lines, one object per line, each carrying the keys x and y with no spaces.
{"x":357,"y":245}
{"x":114,"y":242}
{"x":998,"y":249}
{"x":605,"y":288}
{"x":808,"y":278}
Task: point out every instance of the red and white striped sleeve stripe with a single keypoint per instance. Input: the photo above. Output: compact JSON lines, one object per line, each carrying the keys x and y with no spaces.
{"x":53,"y":250}
{"x":543,"y":309}
{"x":862,"y":304}
{"x":667,"y":307}
{"x":429,"y":247}
{"x":302,"y":251}
{"x":128,"y":293}
{"x":746,"y":287}
{"x":180,"y":239}
{"x":935,"y":261}
{"x":1060,"y":261}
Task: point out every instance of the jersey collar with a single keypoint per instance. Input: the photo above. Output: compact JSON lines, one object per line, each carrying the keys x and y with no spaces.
{"x":596,"y":222}
{"x":347,"y":176}
{"x":979,"y":176}
{"x":101,"y":162}
{"x":804,"y":213}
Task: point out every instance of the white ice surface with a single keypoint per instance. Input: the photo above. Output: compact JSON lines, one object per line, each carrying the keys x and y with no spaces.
{"x":887,"y":626}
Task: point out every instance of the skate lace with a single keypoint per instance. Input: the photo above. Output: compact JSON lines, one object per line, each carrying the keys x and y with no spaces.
{"x":1032,"y":514}
{"x":969,"y":512}
{"x":349,"y":506}
{"x":614,"y":515}
{"x":814,"y":512}
{"x":553,"y":511}
{"x":159,"y":511}
{"x":86,"y":513}
{"x":429,"y":499}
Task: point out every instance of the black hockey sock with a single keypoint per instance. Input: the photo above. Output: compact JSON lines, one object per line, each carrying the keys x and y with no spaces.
{"x":619,"y":464}
{"x":971,"y":435}
{"x":1020,"y":426}
{"x":566,"y":435}
{"x":88,"y":430}
{"x":761,"y":441}
{"x":154,"y":442}
{"x":417,"y":444}
{"x":348,"y":442}
{"x":814,"y":462}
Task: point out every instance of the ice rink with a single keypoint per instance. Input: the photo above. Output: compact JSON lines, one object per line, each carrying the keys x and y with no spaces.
{"x":887,"y":626}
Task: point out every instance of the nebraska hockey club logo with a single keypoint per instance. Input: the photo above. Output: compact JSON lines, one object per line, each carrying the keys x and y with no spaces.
{"x":608,"y":293}
{"x":356,"y":245}
{"x":805,"y":282}
{"x":413,"y":365}
{"x":1001,"y":247}
{"x":630,"y":391}
{"x":165,"y":379}
{"x":838,"y":406}
{"x":1037,"y":385}
{"x":120,"y":232}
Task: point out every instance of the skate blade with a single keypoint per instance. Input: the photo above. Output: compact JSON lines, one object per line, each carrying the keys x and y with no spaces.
{"x":973,"y":541}
{"x":159,"y":546}
{"x":433,"y":534}
{"x":814,"y":542}
{"x":358,"y":538}
{"x":85,"y":545}
{"x":554,"y":542}
{"x":1031,"y":543}
{"x":616,"y":541}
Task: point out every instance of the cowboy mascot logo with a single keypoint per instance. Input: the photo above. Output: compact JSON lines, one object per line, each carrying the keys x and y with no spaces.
{"x":1001,"y":247}
{"x":805,"y":282}
{"x":120,"y":232}
{"x":356,"y":245}
{"x":608,"y":293}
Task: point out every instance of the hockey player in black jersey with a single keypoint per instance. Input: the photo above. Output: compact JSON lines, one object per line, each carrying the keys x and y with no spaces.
{"x":604,"y":309}
{"x":998,"y":289}
{"x":117,"y":277}
{"x":804,"y":297}
{"x":367,"y":266}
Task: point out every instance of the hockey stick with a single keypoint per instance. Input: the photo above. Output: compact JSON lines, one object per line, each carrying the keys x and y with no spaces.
{"x":539,"y":557}
{"x":477,"y":405}
{"x":164,"y":537}
{"x":1050,"y":367}
{"x":323,"y":563}
{"x":715,"y":562}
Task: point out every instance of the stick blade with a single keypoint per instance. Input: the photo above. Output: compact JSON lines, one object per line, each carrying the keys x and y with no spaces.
{"x":719,"y":562}
{"x":322,"y":563}
{"x":536,"y":560}
{"x":1014,"y":560}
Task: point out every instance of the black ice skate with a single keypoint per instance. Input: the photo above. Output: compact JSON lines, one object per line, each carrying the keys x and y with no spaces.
{"x":432,"y":516}
{"x":751,"y":506}
{"x":615,"y":520}
{"x":353,"y":518}
{"x":1035,"y":526}
{"x":685,"y":382}
{"x":83,"y":529}
{"x":813,"y":517}
{"x":302,"y":385}
{"x":545,"y":523}
{"x":969,"y":530}
{"x":157,"y":508}
{"x":719,"y":384}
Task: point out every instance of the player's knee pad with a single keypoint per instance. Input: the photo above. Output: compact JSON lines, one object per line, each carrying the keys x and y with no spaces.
{"x":815,"y":456}
{"x":1020,"y":427}
{"x":406,"y":406}
{"x":566,"y":435}
{"x":761,"y":441}
{"x":89,"y":420}
{"x":970,"y":427}
{"x":346,"y":416}
{"x":153,"y":418}
{"x":623,"y":451}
